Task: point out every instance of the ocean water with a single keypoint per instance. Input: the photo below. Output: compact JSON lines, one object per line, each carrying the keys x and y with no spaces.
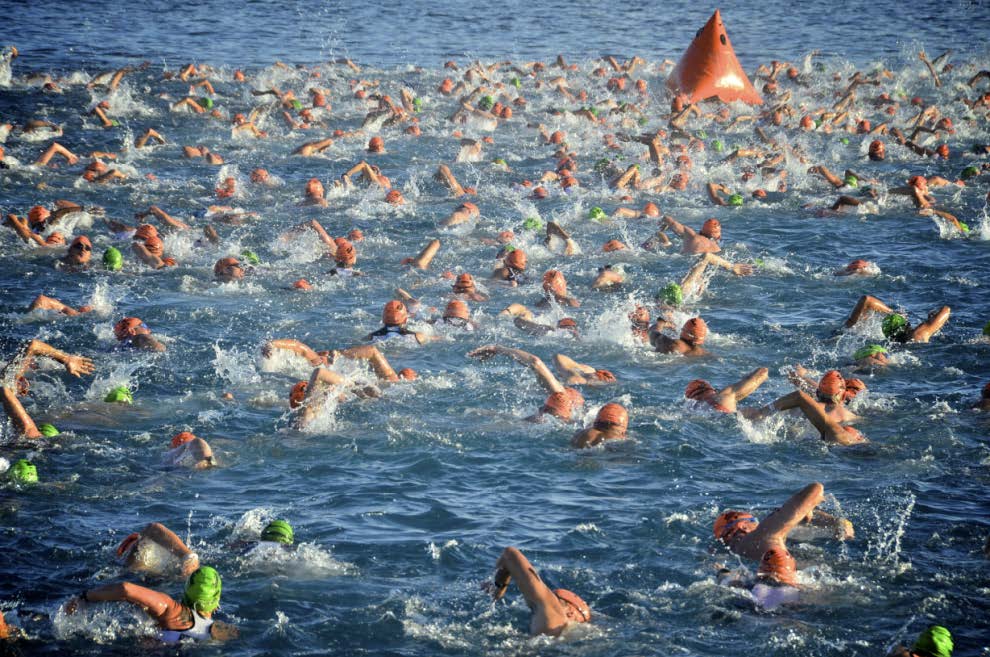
{"x":402,"y":504}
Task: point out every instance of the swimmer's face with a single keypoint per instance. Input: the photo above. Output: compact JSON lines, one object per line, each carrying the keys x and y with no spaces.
{"x":572,"y":612}
{"x":79,"y":253}
{"x":229,"y":272}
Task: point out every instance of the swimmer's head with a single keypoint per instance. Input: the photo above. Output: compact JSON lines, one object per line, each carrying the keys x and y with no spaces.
{"x":202,"y":592}
{"x":567,"y":323}
{"x":55,"y":239}
{"x":228,"y":269}
{"x":712,"y":229}
{"x":394,"y":313}
{"x":877,"y":150}
{"x":969,"y":172}
{"x":919,"y":182}
{"x":355,"y":235}
{"x":604,"y":376}
{"x":394,"y":197}
{"x":671,"y":295}
{"x":555,"y":283}
{"x":558,"y":137}
{"x":694,"y":331}
{"x":853,"y":388}
{"x":408,"y":374}
{"x":559,"y":405}
{"x":613,"y":417}
{"x":259,"y":176}
{"x":314,"y":188}
{"x":144,"y":231}
{"x":895,"y":327}
{"x":456,"y":309}
{"x":376,"y":145}
{"x":613,"y":245}
{"x":129,"y":327}
{"x":182,"y":438}
{"x":48,"y":430}
{"x":112,"y":259}
{"x":733,"y":523}
{"x":278,"y":531}
{"x":597,"y":214}
{"x":736,"y":200}
{"x":832,"y":387}
{"x":24,"y":472}
{"x":298,"y":394}
{"x":873,"y":352}
{"x":346,"y":255}
{"x":38,"y":215}
{"x":576,"y":609}
{"x":155,"y":246}
{"x":516,"y":260}
{"x":119,"y":395}
{"x":698,"y":390}
{"x":936,"y":641}
{"x":651,"y":209}
{"x":81,"y":249}
{"x":464,"y":283}
{"x":640,"y":317}
{"x":778,"y":564}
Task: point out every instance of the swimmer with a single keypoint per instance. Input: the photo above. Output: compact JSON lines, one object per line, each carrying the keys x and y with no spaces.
{"x":830,"y":430}
{"x":555,"y":291}
{"x":523,"y":318}
{"x":561,"y":402}
{"x":513,"y":269}
{"x":14,"y":376}
{"x":692,"y":336}
{"x":425,"y":257}
{"x":464,"y":286}
{"x":315,"y":195}
{"x":743,"y":534}
{"x":158,"y":551}
{"x":311,"y":148}
{"x":727,"y":399}
{"x":831,"y":391}
{"x":192,"y":618}
{"x":858,"y":267}
{"x":608,"y":279}
{"x":984,"y":403}
{"x":936,"y":641}
{"x":458,"y":315}
{"x":228,"y":270}
{"x":42,"y":302}
{"x":462,"y":214}
{"x":576,"y":374}
{"x":557,"y":236}
{"x":394,"y":319}
{"x":133,"y":333}
{"x":776,"y":580}
{"x":895,"y":326}
{"x":695,"y":282}
{"x":553,"y":610}
{"x":187,"y":450}
{"x":703,"y":241}
{"x":870,"y":357}
{"x":78,"y":257}
{"x":610,"y":424}
{"x":29,"y":229}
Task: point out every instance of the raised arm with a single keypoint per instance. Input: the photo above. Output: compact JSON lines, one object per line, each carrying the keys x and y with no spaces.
{"x":830,"y":430}
{"x":679,"y":229}
{"x":548,"y":613}
{"x":295,"y":346}
{"x":157,"y":604}
{"x":543,"y":374}
{"x":747,"y":385}
{"x":425,"y":257}
{"x":23,"y":423}
{"x":779,"y":524}
{"x":21,"y":228}
{"x":74,"y":365}
{"x":379,"y":364}
{"x":936,"y":320}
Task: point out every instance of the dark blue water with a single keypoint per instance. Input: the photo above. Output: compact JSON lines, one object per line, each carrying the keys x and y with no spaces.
{"x":402,"y":504}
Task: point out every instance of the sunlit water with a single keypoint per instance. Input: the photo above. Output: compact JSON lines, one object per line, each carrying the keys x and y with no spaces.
{"x":402,"y":504}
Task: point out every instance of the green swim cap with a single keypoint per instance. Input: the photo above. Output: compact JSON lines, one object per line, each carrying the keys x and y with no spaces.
{"x":936,"y":641}
{"x":602,"y":164}
{"x":672,"y":294}
{"x":868,"y":351}
{"x":532,"y":223}
{"x":852,"y":181}
{"x":112,"y":259}
{"x":845,"y":140}
{"x":296,"y":104}
{"x":642,"y":120}
{"x":115,"y":123}
{"x":48,"y":430}
{"x":894,"y":325}
{"x":508,"y":248}
{"x":120,"y":394}
{"x":702,"y":134}
{"x":969,"y":172}
{"x":718,"y":146}
{"x":818,"y":123}
{"x":597,"y":214}
{"x":736,"y":199}
{"x":760,"y":262}
{"x":986,"y":329}
{"x":486,"y":103}
{"x":203,"y":590}
{"x":24,"y":472}
{"x":279,"y":531}
{"x":250,"y":257}
{"x":205,"y":103}
{"x":964,"y":227}
{"x":418,"y":104}
{"x":515,"y":82}
{"x":499,"y":161}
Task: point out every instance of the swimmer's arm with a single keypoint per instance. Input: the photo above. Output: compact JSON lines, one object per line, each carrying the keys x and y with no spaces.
{"x":825,"y":173}
{"x":383,"y":370}
{"x":801,"y":379}
{"x":739,"y":269}
{"x":802,"y":503}
{"x":830,"y":430}
{"x":22,"y":422}
{"x":424,"y":338}
{"x":425,"y":257}
{"x":932,"y":325}
{"x":518,"y":310}
{"x":324,"y":236}
{"x":21,"y":228}
{"x":536,"y":593}
{"x":842,"y":527}
{"x":168,"y":539}
{"x":155,"y":603}
{"x":166,"y":218}
{"x":74,"y":365}
{"x":713,"y":193}
{"x":747,"y":385}
{"x":866,"y":304}
{"x":607,"y":278}
{"x":679,"y":229}
{"x":295,"y":346}
{"x":146,"y":256}
{"x":543,"y":374}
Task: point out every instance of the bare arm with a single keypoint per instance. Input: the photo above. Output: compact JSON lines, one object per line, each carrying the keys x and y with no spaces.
{"x":167,"y":219}
{"x":155,"y":603}
{"x":74,"y":365}
{"x":543,"y":373}
{"x":18,"y":416}
{"x":21,"y":228}
{"x":425,"y":257}
{"x":932,"y":325}
{"x":383,"y":370}
{"x":747,"y":385}
{"x":295,"y":346}
{"x":779,"y":524}
{"x":146,"y":256}
{"x":548,"y":613}
{"x":829,"y":429}
{"x":168,"y":539}
{"x":866,"y":304}
{"x":679,"y":229}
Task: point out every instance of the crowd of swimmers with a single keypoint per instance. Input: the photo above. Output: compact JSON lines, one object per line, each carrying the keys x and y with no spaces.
{"x":615,"y":97}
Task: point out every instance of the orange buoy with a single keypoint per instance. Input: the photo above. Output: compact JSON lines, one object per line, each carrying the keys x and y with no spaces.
{"x":709,"y":68}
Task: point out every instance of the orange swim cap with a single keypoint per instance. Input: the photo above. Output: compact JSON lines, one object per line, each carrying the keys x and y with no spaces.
{"x":408,"y":374}
{"x":298,"y":394}
{"x":144,"y":231}
{"x":712,"y":229}
{"x":555,"y":283}
{"x":853,"y":388}
{"x":223,"y":263}
{"x":38,"y":214}
{"x":605,"y":376}
{"x":506,"y":112}
{"x":155,"y":245}
{"x":612,"y":415}
{"x":731,"y":523}
{"x":567,"y":323}
{"x":470,"y":207}
{"x":574,"y":602}
{"x":832,"y":386}
{"x":506,"y":236}
{"x":457,"y":309}
{"x":651,"y":209}
{"x":314,"y":188}
{"x":302,"y":284}
{"x":128,"y":327}
{"x":697,"y":389}
{"x":858,"y":265}
{"x":777,"y":563}
{"x":394,"y":313}
{"x":376,"y":145}
{"x":464,"y":283}
{"x":807,"y":123}
{"x":918,"y":181}
{"x":694,"y":331}
{"x":355,"y":235}
{"x":394,"y":197}
{"x":863,"y":127}
{"x":577,"y":400}
{"x":558,"y":137}
{"x":182,"y":438}
{"x":613,"y":245}
{"x":516,"y":259}
{"x":55,"y":239}
{"x":559,"y":405}
{"x":943,"y":151}
{"x":877,"y":150}
{"x":346,"y":255}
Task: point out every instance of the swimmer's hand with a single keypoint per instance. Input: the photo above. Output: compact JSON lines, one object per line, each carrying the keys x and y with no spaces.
{"x":742,"y":269}
{"x":190,"y":564}
{"x":72,"y":606}
{"x":483,"y":353}
{"x":844,"y":530}
{"x":79,"y":365}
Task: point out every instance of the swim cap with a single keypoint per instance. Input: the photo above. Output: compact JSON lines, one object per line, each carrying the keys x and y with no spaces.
{"x":532,"y":223}
{"x":515,"y":82}
{"x":298,"y":394}
{"x":224,"y":263}
{"x":464,"y":283}
{"x":777,"y":563}
{"x":203,"y":590}
{"x":651,"y":209}
{"x":251,"y":257}
{"x":612,"y":415}
{"x":597,"y":214}
{"x":555,"y":283}
{"x":701,"y":134}
{"x":394,"y":313}
{"x":128,"y":327}
{"x":731,"y":523}
{"x":155,"y":246}
{"x":112,"y":259}
{"x":964,"y":227}
{"x":408,"y":374}
{"x":376,"y":145}
{"x":894,"y":326}
{"x":853,"y":388}
{"x":832,"y":386}
{"x":120,"y":395}
{"x":844,"y":141}
{"x":718,"y":146}
{"x":182,"y":438}
{"x":417,"y":104}
{"x":672,"y":294}
{"x":144,"y":231}
{"x":877,"y":150}
{"x":314,"y":187}
{"x":38,"y":214}
{"x":851,"y":180}
{"x":969,"y":172}
{"x":575,"y":602}
{"x":486,"y":103}
{"x":516,"y":259}
{"x":736,"y":199}
{"x":457,"y":309}
{"x":296,"y":104}
{"x":868,"y":351}
{"x":935,"y":641}
{"x":346,"y":255}
{"x":394,"y":197}
{"x":48,"y":430}
{"x":567,"y":323}
{"x":279,"y":531}
{"x":559,"y":405}
{"x":82,"y":239}
{"x":613,"y":245}
{"x":694,"y":331}
{"x":711,"y":229}
{"x":605,"y":376}
{"x":697,"y":389}
{"x":499,"y":161}
{"x":24,"y":472}
{"x":205,"y":103}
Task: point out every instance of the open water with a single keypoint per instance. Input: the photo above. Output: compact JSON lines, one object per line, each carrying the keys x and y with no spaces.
{"x":401,"y":505}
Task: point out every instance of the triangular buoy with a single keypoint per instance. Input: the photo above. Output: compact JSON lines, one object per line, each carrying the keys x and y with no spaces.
{"x":709,"y":68}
